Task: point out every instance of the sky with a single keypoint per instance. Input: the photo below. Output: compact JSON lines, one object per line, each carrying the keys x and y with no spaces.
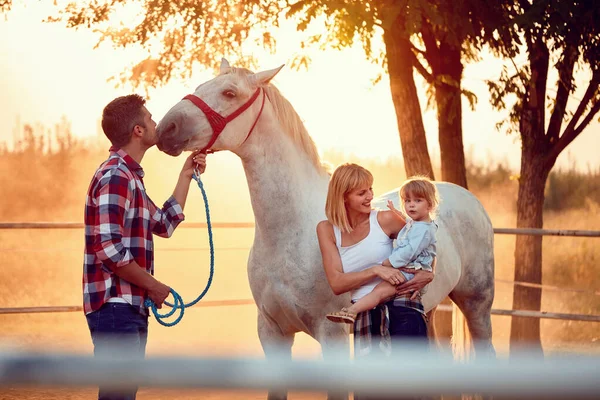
{"x":49,"y":72}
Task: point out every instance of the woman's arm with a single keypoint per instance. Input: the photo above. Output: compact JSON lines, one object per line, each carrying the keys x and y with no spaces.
{"x":340,"y":281}
{"x":390,"y":223}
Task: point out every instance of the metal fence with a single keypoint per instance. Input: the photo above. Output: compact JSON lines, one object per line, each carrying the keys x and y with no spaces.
{"x":237,"y":302}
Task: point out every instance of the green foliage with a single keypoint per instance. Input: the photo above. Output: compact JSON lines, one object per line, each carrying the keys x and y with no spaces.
{"x":572,"y":189}
{"x":483,"y":177}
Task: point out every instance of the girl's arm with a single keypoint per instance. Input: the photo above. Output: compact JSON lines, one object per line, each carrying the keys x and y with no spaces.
{"x":395,"y":211}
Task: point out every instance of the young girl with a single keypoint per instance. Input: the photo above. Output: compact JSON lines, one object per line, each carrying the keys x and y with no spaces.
{"x":416,"y":244}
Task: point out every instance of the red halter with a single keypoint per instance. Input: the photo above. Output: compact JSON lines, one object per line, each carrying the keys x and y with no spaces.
{"x":218,"y":122}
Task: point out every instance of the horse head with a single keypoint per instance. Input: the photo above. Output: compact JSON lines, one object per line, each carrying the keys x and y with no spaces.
{"x":219,"y":115}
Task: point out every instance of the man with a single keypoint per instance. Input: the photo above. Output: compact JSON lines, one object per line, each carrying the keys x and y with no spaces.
{"x":120,"y":220}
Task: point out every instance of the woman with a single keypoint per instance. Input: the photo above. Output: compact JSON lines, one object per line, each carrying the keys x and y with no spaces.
{"x":354,"y":241}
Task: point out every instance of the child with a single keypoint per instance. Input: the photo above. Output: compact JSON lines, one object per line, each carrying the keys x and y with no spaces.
{"x":416,"y":244}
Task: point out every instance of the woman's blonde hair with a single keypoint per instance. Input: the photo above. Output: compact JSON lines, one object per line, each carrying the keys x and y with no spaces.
{"x":345,"y":178}
{"x":421,"y":187}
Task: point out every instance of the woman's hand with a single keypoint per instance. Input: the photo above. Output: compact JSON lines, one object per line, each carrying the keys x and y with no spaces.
{"x":414,"y":285}
{"x":196,"y":160}
{"x":389,"y":274}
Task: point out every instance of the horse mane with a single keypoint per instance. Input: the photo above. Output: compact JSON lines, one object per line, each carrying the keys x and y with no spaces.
{"x":289,"y":120}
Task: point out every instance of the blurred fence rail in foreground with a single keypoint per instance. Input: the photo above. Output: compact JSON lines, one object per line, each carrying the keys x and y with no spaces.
{"x":431,"y":374}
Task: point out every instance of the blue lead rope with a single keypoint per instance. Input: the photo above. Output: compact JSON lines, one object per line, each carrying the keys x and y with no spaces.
{"x":178,"y":304}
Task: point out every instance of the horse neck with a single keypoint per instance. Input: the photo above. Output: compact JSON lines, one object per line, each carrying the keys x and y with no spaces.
{"x":286,"y":188}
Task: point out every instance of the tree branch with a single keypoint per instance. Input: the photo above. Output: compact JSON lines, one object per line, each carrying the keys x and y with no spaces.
{"x":432,"y":51}
{"x":415,"y":49}
{"x":588,"y":118}
{"x":565,"y":86}
{"x":428,"y":76}
{"x":572,"y":130}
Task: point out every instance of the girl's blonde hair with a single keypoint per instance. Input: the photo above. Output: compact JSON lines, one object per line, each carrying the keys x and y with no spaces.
{"x":421,"y":187}
{"x":345,"y":178}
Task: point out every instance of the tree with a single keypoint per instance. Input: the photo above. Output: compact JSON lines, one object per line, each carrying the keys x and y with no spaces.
{"x":565,"y":33}
{"x":180,"y":34}
{"x":451,"y":34}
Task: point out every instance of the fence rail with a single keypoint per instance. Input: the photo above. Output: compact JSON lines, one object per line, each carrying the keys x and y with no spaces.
{"x":233,"y":225}
{"x":545,"y":232}
{"x":524,"y":376}
{"x":244,"y":302}
{"x":230,"y":225}
{"x":79,"y":225}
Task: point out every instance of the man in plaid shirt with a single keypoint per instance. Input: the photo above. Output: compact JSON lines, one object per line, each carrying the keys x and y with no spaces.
{"x":120,"y":220}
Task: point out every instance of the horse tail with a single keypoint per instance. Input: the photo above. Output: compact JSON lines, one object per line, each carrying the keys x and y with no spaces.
{"x":462,"y":343}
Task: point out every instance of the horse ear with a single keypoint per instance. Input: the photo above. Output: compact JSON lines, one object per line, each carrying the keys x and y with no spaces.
{"x":264,"y":77}
{"x":225,"y":67}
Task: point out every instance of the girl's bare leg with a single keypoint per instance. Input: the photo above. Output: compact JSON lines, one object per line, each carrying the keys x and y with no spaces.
{"x":382,"y":292}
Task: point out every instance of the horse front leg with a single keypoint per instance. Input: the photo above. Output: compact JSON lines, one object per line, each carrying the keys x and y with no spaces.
{"x":275,"y":344}
{"x":334,"y":341}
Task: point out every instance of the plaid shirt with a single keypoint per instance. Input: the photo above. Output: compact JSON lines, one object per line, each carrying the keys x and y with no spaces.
{"x":120,"y":220}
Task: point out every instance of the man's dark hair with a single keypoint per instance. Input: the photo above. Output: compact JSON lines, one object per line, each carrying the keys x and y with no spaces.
{"x":120,"y":116}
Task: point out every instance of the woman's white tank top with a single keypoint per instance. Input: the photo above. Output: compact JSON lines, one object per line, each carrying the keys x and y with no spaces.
{"x":373,"y":249}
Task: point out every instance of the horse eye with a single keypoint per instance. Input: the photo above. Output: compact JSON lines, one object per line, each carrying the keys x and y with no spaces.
{"x":229,"y":93}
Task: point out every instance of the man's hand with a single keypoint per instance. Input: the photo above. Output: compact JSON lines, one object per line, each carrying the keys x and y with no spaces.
{"x":414,"y":285}
{"x":158,"y":293}
{"x":196,"y":160}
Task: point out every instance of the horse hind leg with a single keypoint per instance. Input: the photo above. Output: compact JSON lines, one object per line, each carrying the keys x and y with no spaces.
{"x":275,"y":344}
{"x":476,"y":306}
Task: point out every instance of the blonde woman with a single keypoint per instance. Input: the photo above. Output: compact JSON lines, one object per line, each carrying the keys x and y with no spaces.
{"x":355,"y":240}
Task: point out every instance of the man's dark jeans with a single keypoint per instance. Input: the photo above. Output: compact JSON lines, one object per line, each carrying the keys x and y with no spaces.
{"x":120,"y":331}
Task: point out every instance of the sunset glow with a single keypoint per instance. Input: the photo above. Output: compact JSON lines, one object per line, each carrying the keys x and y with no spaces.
{"x":52,"y":71}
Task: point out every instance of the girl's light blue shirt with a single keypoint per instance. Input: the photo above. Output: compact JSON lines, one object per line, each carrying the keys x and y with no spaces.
{"x":415,"y":246}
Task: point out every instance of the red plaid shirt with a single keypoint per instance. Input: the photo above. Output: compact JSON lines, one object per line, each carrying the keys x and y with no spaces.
{"x":120,"y":219}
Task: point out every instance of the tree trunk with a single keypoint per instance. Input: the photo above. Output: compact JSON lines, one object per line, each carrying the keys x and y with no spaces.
{"x":535,"y":169}
{"x":406,"y":102}
{"x":449,"y":113}
{"x":528,"y":253}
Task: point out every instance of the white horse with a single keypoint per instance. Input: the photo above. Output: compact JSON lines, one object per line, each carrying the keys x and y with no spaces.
{"x":241,"y":112}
